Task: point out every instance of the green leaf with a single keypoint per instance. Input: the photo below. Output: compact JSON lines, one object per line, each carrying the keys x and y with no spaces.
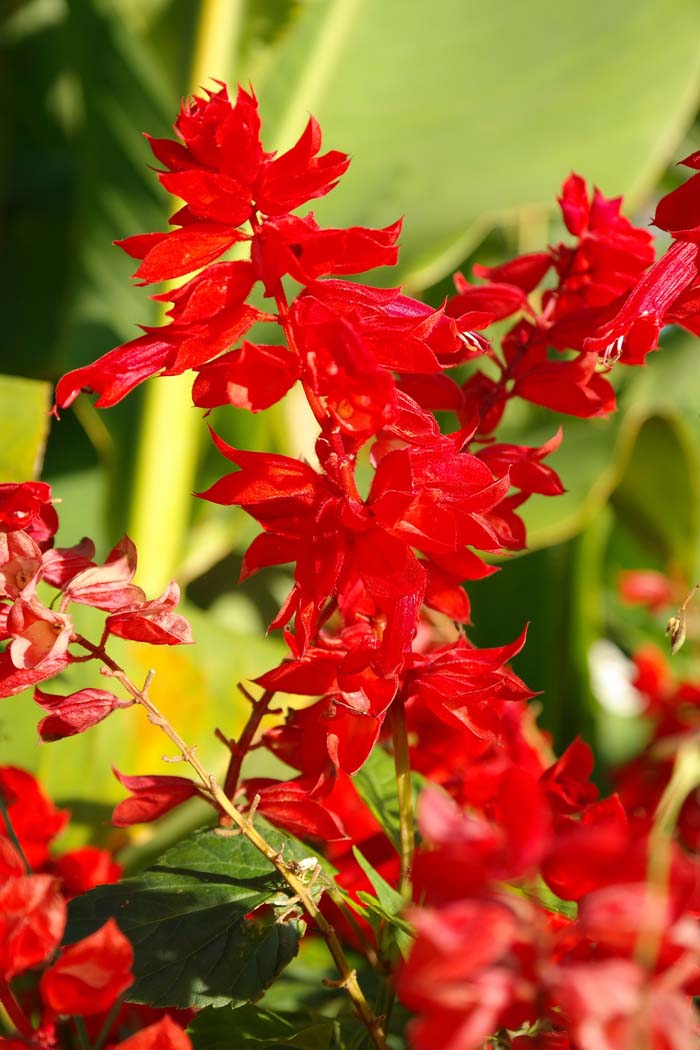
{"x":24,"y":427}
{"x":659,"y":496}
{"x":390,"y":899}
{"x":250,"y":1026}
{"x":407,"y":83}
{"x":186,"y":918}
{"x":387,"y":906}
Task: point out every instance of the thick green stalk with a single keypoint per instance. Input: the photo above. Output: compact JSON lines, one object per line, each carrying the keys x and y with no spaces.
{"x":172,"y":432}
{"x":404,"y":790}
{"x":684,"y":779}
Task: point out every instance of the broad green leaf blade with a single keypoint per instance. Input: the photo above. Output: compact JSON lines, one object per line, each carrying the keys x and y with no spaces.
{"x":659,"y":496}
{"x":24,"y":427}
{"x":456,"y":111}
{"x":391,"y":901}
{"x":186,"y":918}
{"x":261,"y":1029}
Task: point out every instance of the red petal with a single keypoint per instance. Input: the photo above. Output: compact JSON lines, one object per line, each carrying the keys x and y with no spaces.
{"x":185,"y":250}
{"x":152,"y":797}
{"x":90,"y":975}
{"x":32,"y":918}
{"x":163,"y":1035}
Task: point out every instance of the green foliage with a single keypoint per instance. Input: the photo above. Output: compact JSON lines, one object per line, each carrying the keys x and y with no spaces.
{"x":384,"y":909}
{"x":376,"y":786}
{"x":259,"y":1029}
{"x":24,"y":427}
{"x":186,"y":918}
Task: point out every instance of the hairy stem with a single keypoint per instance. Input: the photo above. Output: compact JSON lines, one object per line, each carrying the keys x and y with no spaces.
{"x":404,"y":789}
{"x":241,"y":747}
{"x":348,"y":976}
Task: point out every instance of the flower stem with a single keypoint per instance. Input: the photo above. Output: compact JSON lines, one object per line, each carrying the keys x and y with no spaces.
{"x":14,"y":1011}
{"x":348,"y":976}
{"x":404,"y":790}
{"x":241,"y":747}
{"x":12,"y":834}
{"x":83,"y":1038}
{"x":684,"y":779}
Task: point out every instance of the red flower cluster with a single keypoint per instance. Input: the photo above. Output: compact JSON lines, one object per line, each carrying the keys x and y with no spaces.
{"x":617,"y":971}
{"x":85,"y":979}
{"x":40,"y":635}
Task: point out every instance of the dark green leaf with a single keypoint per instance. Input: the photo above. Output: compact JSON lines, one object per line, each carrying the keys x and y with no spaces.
{"x":261,"y":1029}
{"x":186,"y":918}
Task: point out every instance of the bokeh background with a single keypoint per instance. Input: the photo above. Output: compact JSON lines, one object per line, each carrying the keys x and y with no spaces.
{"x":460,"y":115}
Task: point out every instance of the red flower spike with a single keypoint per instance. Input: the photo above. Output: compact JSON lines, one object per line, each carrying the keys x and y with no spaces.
{"x":76,"y":712}
{"x":32,"y":919}
{"x":153,"y":622}
{"x":163,"y":1035}
{"x":90,"y":975}
{"x":151,"y":797}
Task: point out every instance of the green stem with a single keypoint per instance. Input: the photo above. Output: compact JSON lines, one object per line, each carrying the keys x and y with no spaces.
{"x":12,"y":834}
{"x":404,"y":790}
{"x":83,"y":1037}
{"x":109,"y":1021}
{"x":245,"y":741}
{"x":172,"y":433}
{"x":14,"y":1011}
{"x":684,"y":779}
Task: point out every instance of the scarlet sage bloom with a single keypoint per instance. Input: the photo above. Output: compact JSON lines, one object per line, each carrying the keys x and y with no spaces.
{"x":234,"y":191}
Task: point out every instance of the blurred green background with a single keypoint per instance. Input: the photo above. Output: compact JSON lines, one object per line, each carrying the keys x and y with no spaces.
{"x":464,"y":117}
